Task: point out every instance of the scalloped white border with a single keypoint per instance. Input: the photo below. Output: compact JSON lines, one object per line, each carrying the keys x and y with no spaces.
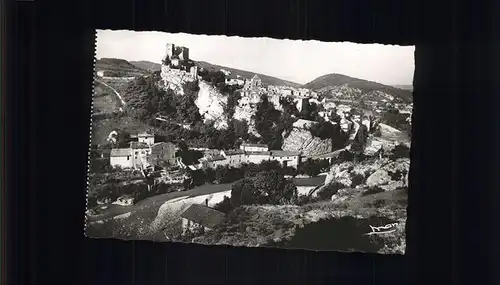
{"x":87,"y":182}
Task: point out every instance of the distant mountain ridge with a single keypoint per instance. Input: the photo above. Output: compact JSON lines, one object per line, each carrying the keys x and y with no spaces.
{"x":147,"y":65}
{"x":117,"y":65}
{"x":330,"y":80}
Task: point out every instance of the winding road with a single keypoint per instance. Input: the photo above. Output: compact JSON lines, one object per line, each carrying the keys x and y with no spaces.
{"x":114,"y":91}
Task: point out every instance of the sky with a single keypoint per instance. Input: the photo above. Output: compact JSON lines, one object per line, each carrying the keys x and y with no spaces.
{"x":293,"y":60}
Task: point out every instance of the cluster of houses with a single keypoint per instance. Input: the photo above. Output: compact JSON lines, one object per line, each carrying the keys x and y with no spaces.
{"x":249,"y":153}
{"x":143,"y":153}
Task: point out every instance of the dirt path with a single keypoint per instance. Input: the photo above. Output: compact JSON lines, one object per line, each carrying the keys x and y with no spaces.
{"x":114,"y":91}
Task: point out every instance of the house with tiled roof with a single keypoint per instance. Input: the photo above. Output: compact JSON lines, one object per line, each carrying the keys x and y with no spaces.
{"x":212,"y":161}
{"x":201,"y":216}
{"x":146,"y":137}
{"x":254,"y":147}
{"x":234,"y":157}
{"x":121,"y":157}
{"x":162,"y":153}
{"x":286,"y":158}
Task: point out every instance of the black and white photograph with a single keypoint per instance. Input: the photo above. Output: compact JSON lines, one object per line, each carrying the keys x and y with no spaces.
{"x":254,"y":142}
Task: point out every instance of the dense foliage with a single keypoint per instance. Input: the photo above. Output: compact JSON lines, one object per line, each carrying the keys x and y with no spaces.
{"x":394,"y":118}
{"x":312,"y":167}
{"x":271,"y":123}
{"x":268,"y":187}
{"x":359,"y":143}
{"x":146,"y":100}
{"x":232,"y":102}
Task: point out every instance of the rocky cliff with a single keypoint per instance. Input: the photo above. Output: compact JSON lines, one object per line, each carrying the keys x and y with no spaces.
{"x":302,"y":140}
{"x":210,"y":101}
{"x":211,"y":104}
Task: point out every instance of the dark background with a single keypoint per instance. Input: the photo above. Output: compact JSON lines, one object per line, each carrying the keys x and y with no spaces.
{"x":49,"y":69}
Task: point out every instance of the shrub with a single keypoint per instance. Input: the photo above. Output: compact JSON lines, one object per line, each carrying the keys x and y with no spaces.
{"x":306,"y":199}
{"x":373,"y":190}
{"x":198,"y":177}
{"x":329,"y":190}
{"x":400,"y":151}
{"x":291,"y":171}
{"x":210,"y":175}
{"x":357,"y":179}
{"x":243,"y":192}
{"x":343,"y":157}
{"x":310,"y":167}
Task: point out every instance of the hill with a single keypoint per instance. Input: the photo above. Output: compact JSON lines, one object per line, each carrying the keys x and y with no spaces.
{"x":248,"y":74}
{"x":332,"y":80}
{"x":119,"y":66}
{"x":147,"y":65}
{"x":404,"y":87}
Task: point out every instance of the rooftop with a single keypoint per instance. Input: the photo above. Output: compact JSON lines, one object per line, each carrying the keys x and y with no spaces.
{"x":254,"y":144}
{"x":255,"y":77}
{"x":116,"y":152}
{"x":311,"y":181}
{"x":145,"y":134}
{"x":215,"y":158}
{"x":234,"y":152}
{"x":258,"y":153}
{"x":203,"y":215}
{"x":161,"y":143}
{"x":284,"y":153}
{"x":138,"y":145}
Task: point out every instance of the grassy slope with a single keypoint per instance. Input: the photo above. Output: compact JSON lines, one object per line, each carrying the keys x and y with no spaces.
{"x":260,"y":225}
{"x":118,"y":65}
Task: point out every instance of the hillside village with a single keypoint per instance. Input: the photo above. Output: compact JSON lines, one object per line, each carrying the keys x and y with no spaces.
{"x":222,"y":128}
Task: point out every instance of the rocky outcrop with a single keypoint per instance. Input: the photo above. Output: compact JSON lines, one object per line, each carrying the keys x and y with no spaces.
{"x":379,"y":177}
{"x":211,"y":104}
{"x":301,"y":140}
{"x":390,"y":176}
{"x":210,"y":101}
{"x":244,"y":112}
{"x":174,"y":79}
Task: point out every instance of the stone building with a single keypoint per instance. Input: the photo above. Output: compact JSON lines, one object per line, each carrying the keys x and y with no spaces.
{"x":162,"y":153}
{"x":255,"y":82}
{"x":173,"y":51}
{"x":201,"y":217}
{"x":254,"y":147}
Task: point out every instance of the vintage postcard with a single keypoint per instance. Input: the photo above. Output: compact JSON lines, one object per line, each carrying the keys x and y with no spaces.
{"x":253,"y":142}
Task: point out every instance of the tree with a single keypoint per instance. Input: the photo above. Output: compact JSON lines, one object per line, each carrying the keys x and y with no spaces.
{"x":232,"y":102}
{"x":210,"y":175}
{"x":359,"y":143}
{"x":198,"y":177}
{"x":278,"y":190}
{"x":309,"y":111}
{"x":221,"y":174}
{"x":269,"y":165}
{"x":123,"y":139}
{"x":265,"y":119}
{"x":250,"y":169}
{"x":310,"y":167}
{"x":243,"y":192}
{"x":224,"y":206}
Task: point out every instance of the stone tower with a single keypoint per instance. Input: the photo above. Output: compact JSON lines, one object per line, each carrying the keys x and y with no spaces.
{"x":183,"y":53}
{"x":170,"y":50}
